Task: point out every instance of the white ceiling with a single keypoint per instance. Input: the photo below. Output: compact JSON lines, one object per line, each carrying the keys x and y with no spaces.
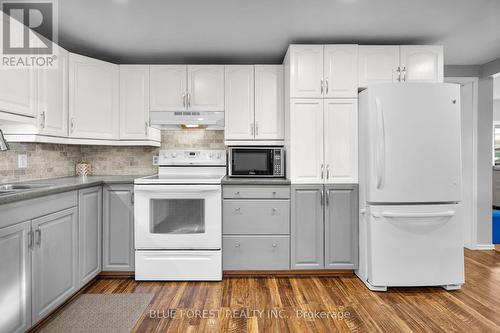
{"x":258,"y":31}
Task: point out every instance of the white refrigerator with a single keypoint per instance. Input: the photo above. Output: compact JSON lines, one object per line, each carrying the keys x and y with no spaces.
{"x":410,"y":186}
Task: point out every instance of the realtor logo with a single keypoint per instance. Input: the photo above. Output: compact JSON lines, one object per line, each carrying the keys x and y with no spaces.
{"x":28,"y":30}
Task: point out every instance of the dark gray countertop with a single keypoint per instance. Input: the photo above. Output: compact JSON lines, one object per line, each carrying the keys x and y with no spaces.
{"x":64,"y":184}
{"x":255,"y":181}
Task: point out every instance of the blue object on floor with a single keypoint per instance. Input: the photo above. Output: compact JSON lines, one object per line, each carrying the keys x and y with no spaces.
{"x":496,"y":227}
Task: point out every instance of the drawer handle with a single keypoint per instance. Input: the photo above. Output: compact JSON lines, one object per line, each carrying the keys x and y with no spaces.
{"x":274,"y":193}
{"x":237,"y":193}
{"x":237,"y":245}
{"x":275,"y":245}
{"x":237,"y":210}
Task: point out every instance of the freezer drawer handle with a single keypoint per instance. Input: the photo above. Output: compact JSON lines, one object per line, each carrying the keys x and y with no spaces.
{"x":414,"y":215}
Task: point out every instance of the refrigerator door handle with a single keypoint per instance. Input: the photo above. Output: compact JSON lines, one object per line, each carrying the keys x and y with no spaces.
{"x":394,"y":215}
{"x":380,"y":145}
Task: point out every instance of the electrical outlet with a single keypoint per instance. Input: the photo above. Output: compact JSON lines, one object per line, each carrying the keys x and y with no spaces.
{"x":155,"y":160}
{"x":22,"y":161}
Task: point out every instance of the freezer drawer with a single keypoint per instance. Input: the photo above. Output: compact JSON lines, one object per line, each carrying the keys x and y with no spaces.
{"x":256,"y":217}
{"x":256,"y":252}
{"x":419,"y":245}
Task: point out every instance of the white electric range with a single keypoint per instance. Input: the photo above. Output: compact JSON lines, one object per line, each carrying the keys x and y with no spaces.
{"x":178,"y":217}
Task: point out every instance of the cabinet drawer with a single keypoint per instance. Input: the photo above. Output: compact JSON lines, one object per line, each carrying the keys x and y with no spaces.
{"x":256,"y":192}
{"x":255,"y":253}
{"x":256,"y":217}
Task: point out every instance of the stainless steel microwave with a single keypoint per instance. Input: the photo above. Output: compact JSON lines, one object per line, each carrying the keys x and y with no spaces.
{"x":256,"y":162}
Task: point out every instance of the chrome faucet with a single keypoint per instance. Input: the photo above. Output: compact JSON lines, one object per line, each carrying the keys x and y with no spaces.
{"x":3,"y":144}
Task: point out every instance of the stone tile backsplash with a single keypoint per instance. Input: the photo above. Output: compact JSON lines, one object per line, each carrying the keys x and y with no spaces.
{"x":53,"y":160}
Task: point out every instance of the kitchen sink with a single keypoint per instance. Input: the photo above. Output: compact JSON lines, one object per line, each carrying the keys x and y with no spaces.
{"x":14,"y":188}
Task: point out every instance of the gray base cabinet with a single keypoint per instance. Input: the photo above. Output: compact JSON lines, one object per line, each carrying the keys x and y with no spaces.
{"x":55,"y":258}
{"x":118,"y":228}
{"x":15,"y":278}
{"x":341,"y":227}
{"x":324,"y":227}
{"x":256,"y":227}
{"x":307,"y":227}
{"x":89,"y":233}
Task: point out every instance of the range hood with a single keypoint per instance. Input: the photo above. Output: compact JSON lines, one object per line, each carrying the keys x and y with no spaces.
{"x":187,"y":119}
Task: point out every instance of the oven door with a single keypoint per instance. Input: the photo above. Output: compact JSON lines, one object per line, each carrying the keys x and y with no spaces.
{"x":245,"y":162}
{"x":178,"y":217}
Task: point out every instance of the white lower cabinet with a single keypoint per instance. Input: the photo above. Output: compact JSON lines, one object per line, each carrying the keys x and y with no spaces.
{"x":324,"y":227}
{"x":89,"y":233}
{"x":15,"y":278}
{"x":118,"y":228}
{"x":54,"y":261}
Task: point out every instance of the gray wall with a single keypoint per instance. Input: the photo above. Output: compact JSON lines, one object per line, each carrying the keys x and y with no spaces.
{"x":462,"y":71}
{"x":490,"y":68}
{"x":484,"y":157}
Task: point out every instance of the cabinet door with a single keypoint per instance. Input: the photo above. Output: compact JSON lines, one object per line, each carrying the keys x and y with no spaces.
{"x":18,"y":91}
{"x":168,"y":84}
{"x":15,"y":278}
{"x":269,"y":112}
{"x":307,"y":227}
{"x":306,"y":141}
{"x":239,"y":115}
{"x":53,"y":96}
{"x":378,"y":64}
{"x":206,"y":87}
{"x":118,"y":228}
{"x":422,"y":63}
{"x":90,"y":229}
{"x":93,"y":98}
{"x":341,"y":227}
{"x":341,"y":71}
{"x":306,"y":71}
{"x":54,"y":261}
{"x":341,"y":140}
{"x":134,"y":101}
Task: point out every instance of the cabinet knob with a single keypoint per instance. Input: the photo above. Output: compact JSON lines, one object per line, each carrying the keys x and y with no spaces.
{"x":237,"y":210}
{"x":274,"y":193}
{"x":275,"y":210}
{"x":275,"y":245}
{"x":237,"y":193}
{"x":237,"y":244}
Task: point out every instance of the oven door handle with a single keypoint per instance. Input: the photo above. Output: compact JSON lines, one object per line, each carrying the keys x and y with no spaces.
{"x":177,"y":188}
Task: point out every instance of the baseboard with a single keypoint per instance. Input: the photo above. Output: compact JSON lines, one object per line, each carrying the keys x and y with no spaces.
{"x":291,"y":273}
{"x":484,"y":247}
{"x":117,"y":275}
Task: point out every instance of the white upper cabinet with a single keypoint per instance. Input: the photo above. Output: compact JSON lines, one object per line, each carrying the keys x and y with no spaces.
{"x":168,"y":87}
{"x":18,"y":91}
{"x":134,"y":101}
{"x":394,"y":63}
{"x":52,"y":105}
{"x":205,"y":87}
{"x":239,"y":116}
{"x":422,"y":63}
{"x":93,"y":98}
{"x":306,"y":71}
{"x":269,"y":112}
{"x":192,"y":87}
{"x":323,"y":71}
{"x":340,"y":71}
{"x":306,"y":141}
{"x":378,"y":64}
{"x":341,"y":141}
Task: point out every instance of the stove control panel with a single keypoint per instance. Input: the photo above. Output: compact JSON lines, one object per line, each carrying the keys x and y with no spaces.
{"x":192,"y":157}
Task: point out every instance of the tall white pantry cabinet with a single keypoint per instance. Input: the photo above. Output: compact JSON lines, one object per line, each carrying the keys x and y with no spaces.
{"x":321,"y":88}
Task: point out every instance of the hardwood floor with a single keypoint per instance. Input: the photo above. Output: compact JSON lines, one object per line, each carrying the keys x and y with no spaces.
{"x":346,"y":304}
